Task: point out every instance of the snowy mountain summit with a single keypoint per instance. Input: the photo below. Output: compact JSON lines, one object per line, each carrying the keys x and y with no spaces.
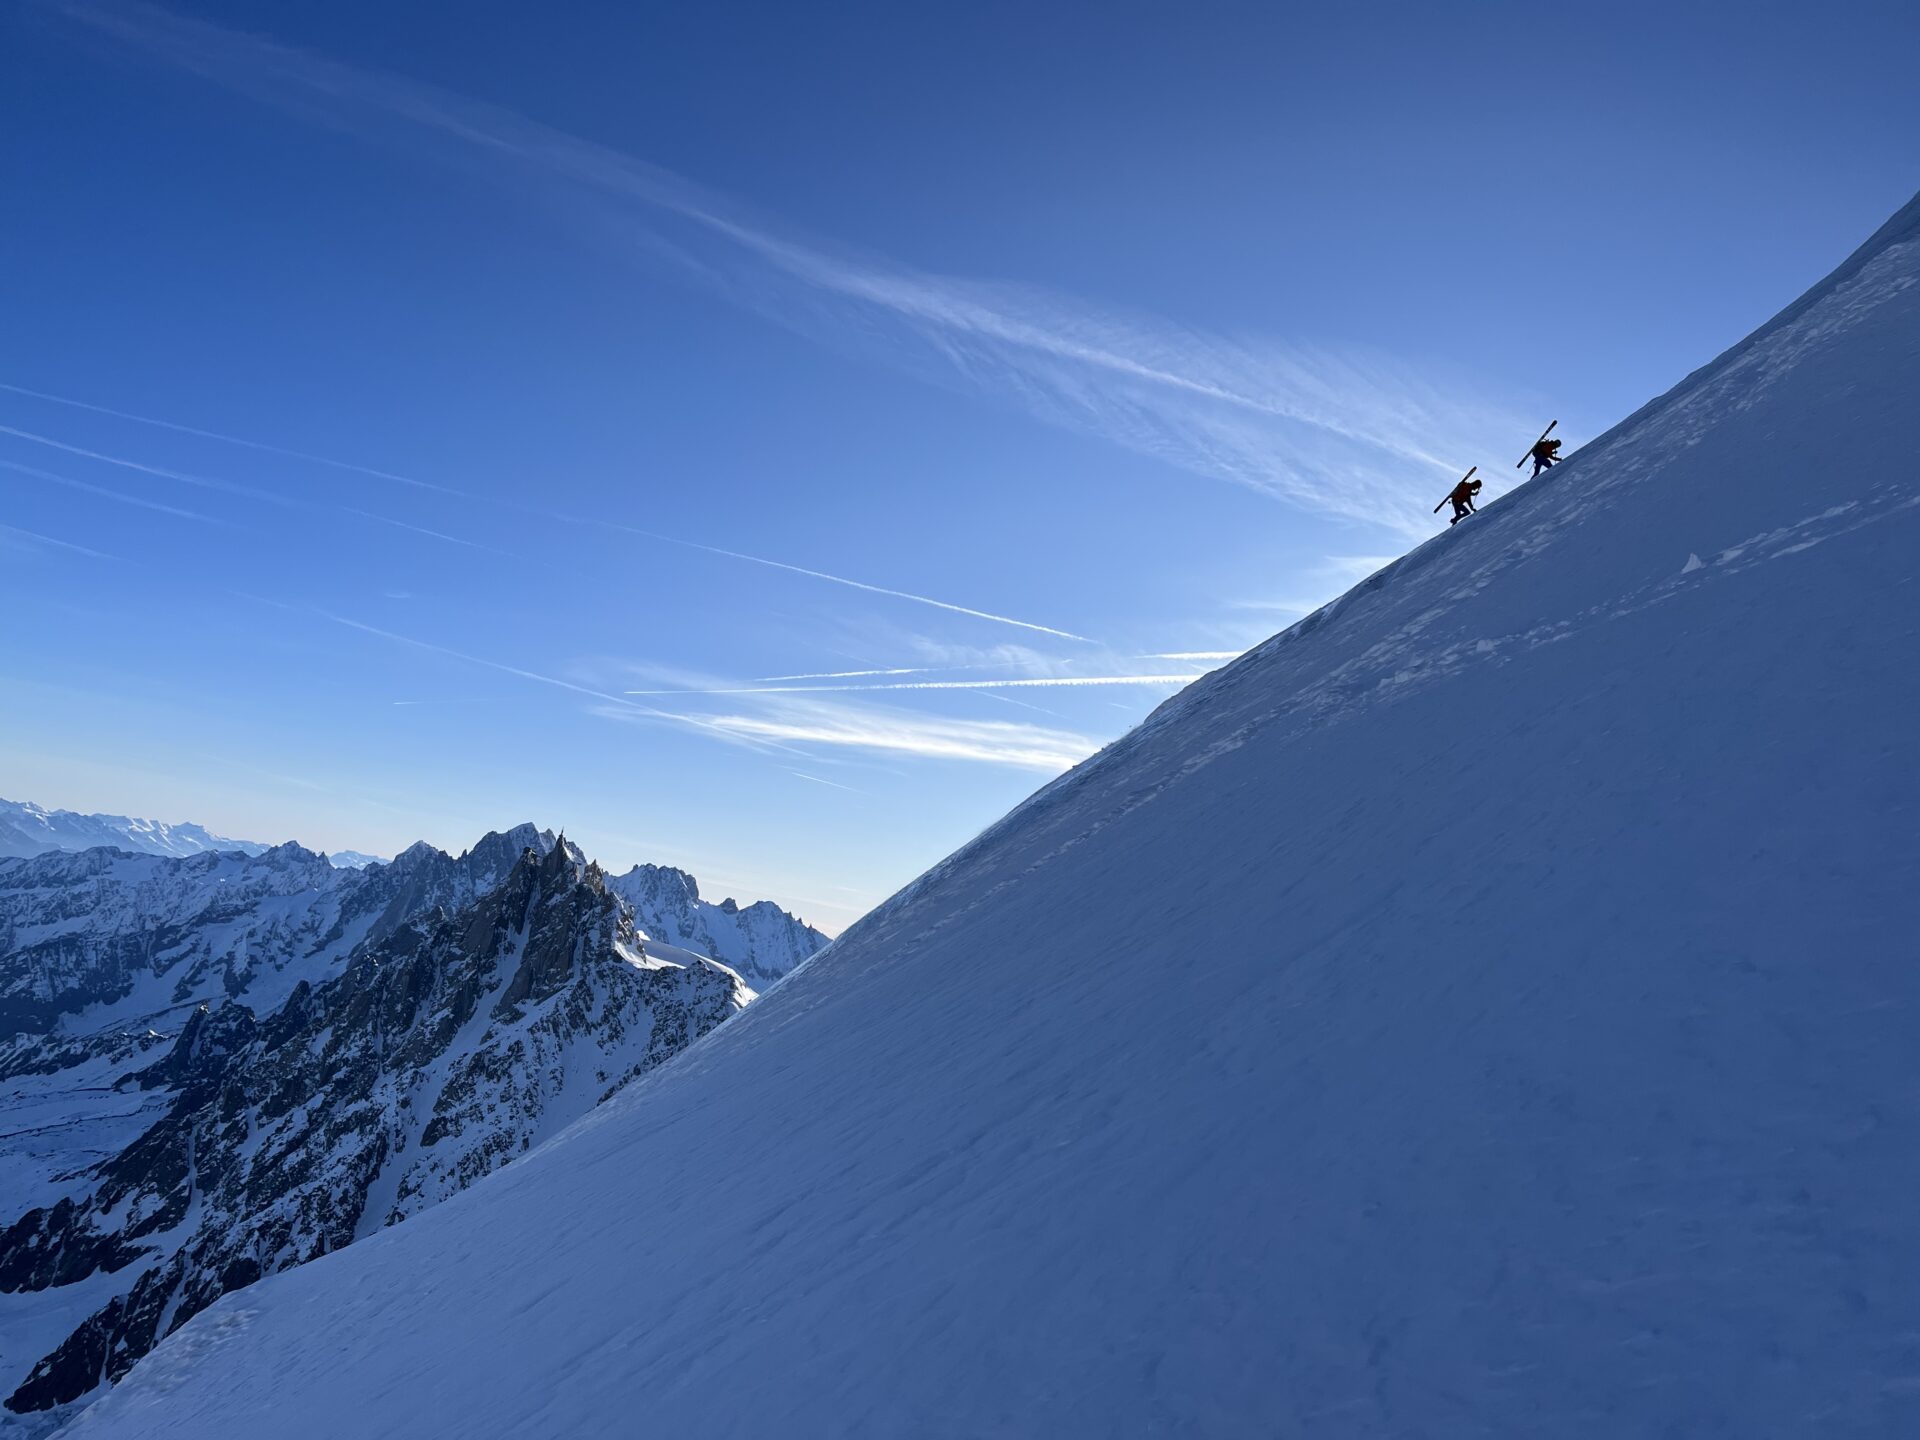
{"x":217,"y":1066}
{"x":1487,"y":1008}
{"x":760,"y":940}
{"x":29,"y":829}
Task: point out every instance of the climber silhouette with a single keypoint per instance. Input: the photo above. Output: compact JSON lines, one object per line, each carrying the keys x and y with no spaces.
{"x":1462,"y":497}
{"x":1546,"y":454}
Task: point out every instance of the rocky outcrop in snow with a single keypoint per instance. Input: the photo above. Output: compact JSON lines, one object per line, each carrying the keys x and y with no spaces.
{"x":761,"y":941}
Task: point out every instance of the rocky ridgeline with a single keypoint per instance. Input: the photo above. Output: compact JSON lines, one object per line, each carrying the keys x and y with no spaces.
{"x":434,"y":1018}
{"x":759,"y":940}
{"x":84,"y":930}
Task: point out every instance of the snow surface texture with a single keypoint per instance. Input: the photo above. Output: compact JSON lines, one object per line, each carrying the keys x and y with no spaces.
{"x":29,"y":829}
{"x":1486,"y":1009}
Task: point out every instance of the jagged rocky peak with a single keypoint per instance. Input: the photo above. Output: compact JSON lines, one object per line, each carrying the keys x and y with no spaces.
{"x":417,"y":853}
{"x":496,"y":851}
{"x":211,"y":1036}
{"x":565,"y":908}
{"x":456,"y":1037}
{"x":664,"y":881}
{"x":761,"y":941}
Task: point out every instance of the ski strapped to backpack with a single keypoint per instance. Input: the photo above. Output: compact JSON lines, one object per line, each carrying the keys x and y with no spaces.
{"x":1463,"y":480}
{"x":1531,"y":448}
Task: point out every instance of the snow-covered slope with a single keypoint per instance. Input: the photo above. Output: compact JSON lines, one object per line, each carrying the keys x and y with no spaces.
{"x":761,"y":941}
{"x":28,"y":829}
{"x":1488,"y":1008}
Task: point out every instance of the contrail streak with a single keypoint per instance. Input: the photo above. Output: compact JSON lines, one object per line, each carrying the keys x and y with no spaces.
{"x":503,"y":668}
{"x":37,"y":537}
{"x":120,"y":495}
{"x":801,"y":775}
{"x":1022,"y":704}
{"x":1051,"y":682}
{"x":474,"y":497}
{"x":851,"y":674}
{"x":625,"y":708}
{"x":936,"y":669}
{"x":818,"y":723}
{"x":423,"y":530}
{"x":203,"y":481}
{"x":855,"y":584}
{"x":232,"y":488}
{"x":226,"y":439}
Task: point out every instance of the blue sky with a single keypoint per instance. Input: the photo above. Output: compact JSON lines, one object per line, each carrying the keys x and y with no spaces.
{"x":602,"y":366}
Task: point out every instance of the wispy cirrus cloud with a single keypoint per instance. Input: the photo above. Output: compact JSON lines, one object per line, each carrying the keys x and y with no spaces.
{"x":790,"y":725}
{"x":877,"y":730}
{"x":1027,"y":659}
{"x":1343,"y":432}
{"x":782,"y":723}
{"x":519,"y":672}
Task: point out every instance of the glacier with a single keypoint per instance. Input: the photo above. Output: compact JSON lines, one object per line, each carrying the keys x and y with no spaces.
{"x":1486,"y":1008}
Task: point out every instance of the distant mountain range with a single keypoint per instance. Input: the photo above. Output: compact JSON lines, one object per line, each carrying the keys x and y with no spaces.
{"x":221,"y":1060}
{"x":29,"y":829}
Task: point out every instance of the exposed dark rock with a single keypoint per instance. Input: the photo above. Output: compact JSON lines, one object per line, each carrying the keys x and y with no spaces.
{"x":439,"y":1052}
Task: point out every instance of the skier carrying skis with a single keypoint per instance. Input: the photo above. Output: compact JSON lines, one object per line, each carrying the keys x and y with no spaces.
{"x":1545,"y":455}
{"x":1462,"y":497}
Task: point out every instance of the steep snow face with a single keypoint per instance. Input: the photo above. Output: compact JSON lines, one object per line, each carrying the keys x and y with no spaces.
{"x":761,"y":941}
{"x":1485,"y":1009}
{"x":28,"y":829}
